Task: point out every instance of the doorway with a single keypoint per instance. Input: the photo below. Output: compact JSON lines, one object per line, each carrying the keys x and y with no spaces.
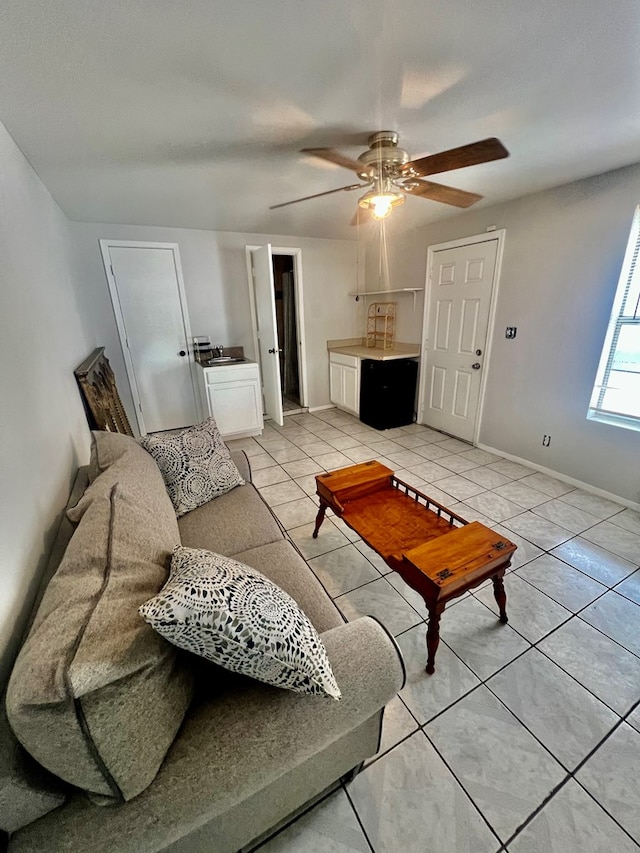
{"x":275,"y":289}
{"x":462,"y":279}
{"x":147,"y":294}
{"x":286,"y":323}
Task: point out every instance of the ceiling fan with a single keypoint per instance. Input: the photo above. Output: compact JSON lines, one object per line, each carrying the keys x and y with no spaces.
{"x":389,"y":174}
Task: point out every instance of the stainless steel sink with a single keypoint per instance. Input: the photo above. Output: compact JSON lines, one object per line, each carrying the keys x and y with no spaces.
{"x":225,"y":359}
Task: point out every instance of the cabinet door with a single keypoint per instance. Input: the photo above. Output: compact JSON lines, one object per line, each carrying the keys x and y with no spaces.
{"x":236,"y":406}
{"x":351,"y":389}
{"x":336,"y":383}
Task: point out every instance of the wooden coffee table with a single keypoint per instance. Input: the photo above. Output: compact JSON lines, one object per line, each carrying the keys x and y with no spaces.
{"x":433,"y":549}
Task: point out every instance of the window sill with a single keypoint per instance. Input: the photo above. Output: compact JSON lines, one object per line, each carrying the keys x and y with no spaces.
{"x":615,"y":420}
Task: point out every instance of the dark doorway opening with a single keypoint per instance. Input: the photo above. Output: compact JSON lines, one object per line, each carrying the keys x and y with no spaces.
{"x":286,"y":320}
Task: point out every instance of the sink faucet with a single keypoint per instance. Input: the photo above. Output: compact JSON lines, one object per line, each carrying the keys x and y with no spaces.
{"x":219,"y":348}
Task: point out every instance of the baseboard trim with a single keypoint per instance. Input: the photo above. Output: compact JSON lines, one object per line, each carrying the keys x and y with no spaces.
{"x":321,"y":408}
{"x":563,"y":477}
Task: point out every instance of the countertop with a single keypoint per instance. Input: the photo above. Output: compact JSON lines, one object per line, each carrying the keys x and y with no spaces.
{"x":357,"y":347}
{"x":222,"y":363}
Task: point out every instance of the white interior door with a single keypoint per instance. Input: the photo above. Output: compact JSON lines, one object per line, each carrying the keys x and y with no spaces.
{"x":460,"y":282}
{"x":148,"y":298}
{"x":267,"y":332}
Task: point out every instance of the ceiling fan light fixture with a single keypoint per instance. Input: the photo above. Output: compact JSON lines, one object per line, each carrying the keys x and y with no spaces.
{"x":381,"y":200}
{"x":383,"y":205}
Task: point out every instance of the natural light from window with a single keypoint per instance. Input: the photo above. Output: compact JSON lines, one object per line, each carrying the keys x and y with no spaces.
{"x":616,"y":393}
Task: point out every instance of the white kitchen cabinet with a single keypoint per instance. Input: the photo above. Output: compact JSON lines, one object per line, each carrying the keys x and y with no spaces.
{"x":344,"y":382}
{"x":232,"y":394}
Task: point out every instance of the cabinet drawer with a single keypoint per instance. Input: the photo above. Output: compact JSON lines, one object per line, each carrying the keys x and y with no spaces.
{"x":346,"y":360}
{"x":230,"y":373}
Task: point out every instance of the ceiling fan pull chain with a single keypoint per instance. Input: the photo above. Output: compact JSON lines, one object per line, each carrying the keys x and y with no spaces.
{"x":357,"y":259}
{"x":380,"y":256}
{"x":383,"y":273}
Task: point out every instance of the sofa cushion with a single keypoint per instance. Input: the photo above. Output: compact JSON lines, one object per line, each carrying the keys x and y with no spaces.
{"x":195,"y":464}
{"x":96,"y":696}
{"x":107,"y":448}
{"x":27,"y":790}
{"x":236,"y":617}
{"x":120,"y":459}
{"x":283,"y":564}
{"x":234,"y":522}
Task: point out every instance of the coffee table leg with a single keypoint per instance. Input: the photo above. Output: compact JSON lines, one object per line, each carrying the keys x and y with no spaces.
{"x":433,"y":637}
{"x":319,"y":518}
{"x":501,"y":598}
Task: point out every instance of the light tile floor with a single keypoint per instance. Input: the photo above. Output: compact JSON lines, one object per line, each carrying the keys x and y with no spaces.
{"x":527,"y":737}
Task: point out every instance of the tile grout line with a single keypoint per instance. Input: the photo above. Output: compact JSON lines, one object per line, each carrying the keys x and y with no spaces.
{"x":524,"y":509}
{"x":607,"y":588}
{"x":571,"y":775}
{"x":467,"y":794}
{"x":355,"y":811}
{"x":573,"y":614}
{"x":334,"y":788}
{"x":533,"y":644}
{"x":544,"y":552}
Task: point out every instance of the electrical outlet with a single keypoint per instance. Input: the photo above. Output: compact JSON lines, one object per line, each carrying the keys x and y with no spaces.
{"x":546,"y":440}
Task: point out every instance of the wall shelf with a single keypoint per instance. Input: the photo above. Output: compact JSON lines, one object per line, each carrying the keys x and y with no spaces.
{"x":412,"y":290}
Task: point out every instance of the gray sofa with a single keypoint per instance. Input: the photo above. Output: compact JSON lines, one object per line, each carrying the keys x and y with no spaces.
{"x":246,"y":755}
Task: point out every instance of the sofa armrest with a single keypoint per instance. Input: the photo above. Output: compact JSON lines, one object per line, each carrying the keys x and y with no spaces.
{"x":365,"y":657}
{"x":241,"y":461}
{"x":264,"y":731}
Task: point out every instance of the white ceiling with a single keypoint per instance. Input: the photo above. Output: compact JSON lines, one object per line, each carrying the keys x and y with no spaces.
{"x":191,"y":113}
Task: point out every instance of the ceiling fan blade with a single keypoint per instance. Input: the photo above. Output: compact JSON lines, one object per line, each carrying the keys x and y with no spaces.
{"x":439,"y":192}
{"x":336,"y":157}
{"x":317,"y":195}
{"x":473,"y":154}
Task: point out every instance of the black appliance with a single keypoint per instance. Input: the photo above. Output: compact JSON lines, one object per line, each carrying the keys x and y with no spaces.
{"x":387,"y":392}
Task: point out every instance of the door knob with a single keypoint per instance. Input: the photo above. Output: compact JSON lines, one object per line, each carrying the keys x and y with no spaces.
{"x":182,"y":352}
{"x":274,"y":351}
{"x":476,"y":366}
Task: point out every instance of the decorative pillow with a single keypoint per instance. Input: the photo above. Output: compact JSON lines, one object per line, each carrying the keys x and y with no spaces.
{"x":236,"y":617}
{"x":195,"y":464}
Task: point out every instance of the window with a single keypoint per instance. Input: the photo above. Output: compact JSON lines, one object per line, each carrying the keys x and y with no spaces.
{"x":616,"y":393}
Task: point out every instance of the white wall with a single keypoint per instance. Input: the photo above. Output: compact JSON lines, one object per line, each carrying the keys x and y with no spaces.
{"x":562,"y":257}
{"x":43,"y":337}
{"x":217,"y":291}
{"x":406,"y":269}
{"x":55,"y":309}
{"x":563,"y":252}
